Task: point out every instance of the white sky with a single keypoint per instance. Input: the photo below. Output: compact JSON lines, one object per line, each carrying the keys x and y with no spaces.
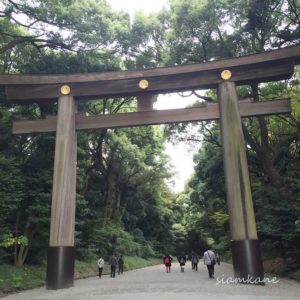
{"x":181,"y":155}
{"x":131,"y":6}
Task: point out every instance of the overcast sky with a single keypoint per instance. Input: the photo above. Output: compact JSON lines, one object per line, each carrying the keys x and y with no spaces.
{"x":135,"y":5}
{"x":181,"y":154}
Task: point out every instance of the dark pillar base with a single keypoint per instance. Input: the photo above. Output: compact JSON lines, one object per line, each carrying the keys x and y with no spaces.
{"x":247,"y":261}
{"x":60,"y":267}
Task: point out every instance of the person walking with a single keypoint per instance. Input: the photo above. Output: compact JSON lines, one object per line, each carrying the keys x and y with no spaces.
{"x":218,"y":258}
{"x":195,"y":261}
{"x":168,"y":263}
{"x":121,"y":265}
{"x":182,"y":261}
{"x":113,"y":264}
{"x":190,"y":259}
{"x":209,"y":259}
{"x":100,"y":265}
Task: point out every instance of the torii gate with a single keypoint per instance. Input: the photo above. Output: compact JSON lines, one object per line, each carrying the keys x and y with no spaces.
{"x":223,"y":75}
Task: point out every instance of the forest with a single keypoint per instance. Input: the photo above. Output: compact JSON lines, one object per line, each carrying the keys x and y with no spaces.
{"x":124,"y":202}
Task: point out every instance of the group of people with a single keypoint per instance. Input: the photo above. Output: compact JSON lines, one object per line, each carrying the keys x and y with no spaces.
{"x":210,"y":259}
{"x":114,"y":262}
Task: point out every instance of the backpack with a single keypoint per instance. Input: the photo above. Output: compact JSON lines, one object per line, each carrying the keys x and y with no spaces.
{"x":167,"y":260}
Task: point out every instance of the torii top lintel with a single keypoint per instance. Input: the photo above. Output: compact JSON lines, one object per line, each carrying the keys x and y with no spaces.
{"x":261,"y":67}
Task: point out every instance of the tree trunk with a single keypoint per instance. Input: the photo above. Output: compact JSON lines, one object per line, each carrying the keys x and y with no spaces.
{"x":109,"y":197}
{"x":264,"y":151}
{"x":16,"y":237}
{"x":23,"y":250}
{"x":122,"y":210}
{"x":118,"y":203}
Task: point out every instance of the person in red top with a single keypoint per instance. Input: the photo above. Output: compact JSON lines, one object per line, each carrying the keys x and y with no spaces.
{"x":168,"y":263}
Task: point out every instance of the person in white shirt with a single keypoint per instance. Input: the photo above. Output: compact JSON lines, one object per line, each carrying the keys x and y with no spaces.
{"x":209,"y":259}
{"x":100,"y":265}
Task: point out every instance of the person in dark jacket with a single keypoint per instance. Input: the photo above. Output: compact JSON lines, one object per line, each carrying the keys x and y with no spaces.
{"x":113,"y":264}
{"x":182,"y":261}
{"x":195,"y":261}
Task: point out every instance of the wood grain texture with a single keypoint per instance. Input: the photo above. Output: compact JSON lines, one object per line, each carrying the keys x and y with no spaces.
{"x":207,"y":113}
{"x":163,"y":83}
{"x":145,"y":102}
{"x":239,"y":198}
{"x":64,"y":178}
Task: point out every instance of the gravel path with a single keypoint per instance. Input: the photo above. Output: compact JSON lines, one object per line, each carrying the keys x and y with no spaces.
{"x":153,"y":283}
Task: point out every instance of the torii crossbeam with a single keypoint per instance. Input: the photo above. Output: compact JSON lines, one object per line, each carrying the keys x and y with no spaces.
{"x":223,"y":75}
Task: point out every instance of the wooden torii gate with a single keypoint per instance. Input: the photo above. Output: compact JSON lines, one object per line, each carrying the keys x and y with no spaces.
{"x":223,"y":75}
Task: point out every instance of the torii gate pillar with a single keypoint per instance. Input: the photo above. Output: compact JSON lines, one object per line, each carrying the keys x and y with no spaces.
{"x":247,"y":261}
{"x":60,"y":263}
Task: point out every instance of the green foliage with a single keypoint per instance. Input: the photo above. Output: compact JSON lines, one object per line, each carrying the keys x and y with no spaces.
{"x":220,"y":219}
{"x":9,"y":241}
{"x":276,"y":220}
{"x":71,"y":25}
{"x":14,"y":279}
{"x":11,"y":189}
{"x":295,"y":275}
{"x":114,"y":239}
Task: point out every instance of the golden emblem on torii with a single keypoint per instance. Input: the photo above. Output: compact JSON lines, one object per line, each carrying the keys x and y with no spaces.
{"x":143,"y":84}
{"x":226,"y":74}
{"x":65,"y":89}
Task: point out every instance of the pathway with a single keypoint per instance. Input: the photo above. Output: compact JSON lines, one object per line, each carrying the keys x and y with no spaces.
{"x":153,"y":283}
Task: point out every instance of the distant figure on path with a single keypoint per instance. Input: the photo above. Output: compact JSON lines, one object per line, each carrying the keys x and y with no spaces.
{"x":218,"y":258}
{"x":113,"y":264}
{"x":182,"y":260}
{"x":121,"y":264}
{"x":100,"y":265}
{"x":168,"y":263}
{"x":209,"y":259}
{"x":190,"y":259}
{"x":195,"y":261}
